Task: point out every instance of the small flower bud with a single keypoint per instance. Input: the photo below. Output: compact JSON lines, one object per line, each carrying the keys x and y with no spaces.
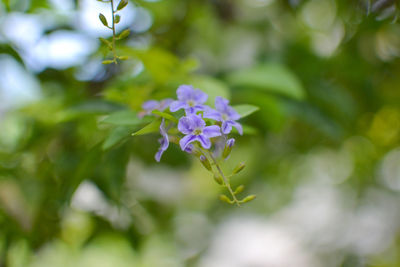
{"x":122,"y":4}
{"x":228,"y":148}
{"x":239,"y":168}
{"x":239,"y":189}
{"x":248,"y":198}
{"x":205,"y":162}
{"x":218,"y":179}
{"x":225,"y":199}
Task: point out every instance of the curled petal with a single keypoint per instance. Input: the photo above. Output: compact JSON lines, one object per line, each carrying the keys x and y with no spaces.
{"x":186,"y":140}
{"x":204,"y":141}
{"x":164,"y":141}
{"x":211,"y":131}
{"x":226,"y":127}
{"x":177,"y":105}
{"x":189,"y":149}
{"x":238,"y":127}
{"x":185,"y":125}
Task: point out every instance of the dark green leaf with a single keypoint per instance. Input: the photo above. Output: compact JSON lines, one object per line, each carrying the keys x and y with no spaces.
{"x":116,"y":135}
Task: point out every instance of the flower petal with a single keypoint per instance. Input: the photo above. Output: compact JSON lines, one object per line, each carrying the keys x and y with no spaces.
{"x":164,"y":141}
{"x":212,"y":114}
{"x":185,"y":125}
{"x":221,"y":104}
{"x":199,"y":96}
{"x":184,"y":92}
{"x":238,"y":127}
{"x":211,"y":131}
{"x":233,"y":115}
{"x":197,"y":121}
{"x":165,"y":104}
{"x":150,"y":105}
{"x":177,"y":105}
{"x":204,"y":141}
{"x":226,"y":127}
{"x":186,"y":140}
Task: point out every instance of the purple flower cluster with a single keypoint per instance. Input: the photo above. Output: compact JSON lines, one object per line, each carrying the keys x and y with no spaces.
{"x":192,"y":125}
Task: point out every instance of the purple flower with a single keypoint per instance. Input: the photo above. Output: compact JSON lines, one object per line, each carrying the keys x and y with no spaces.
{"x":195,"y":129}
{"x":151,"y":105}
{"x":164,"y":141}
{"x":225,"y":114}
{"x":190,"y":99}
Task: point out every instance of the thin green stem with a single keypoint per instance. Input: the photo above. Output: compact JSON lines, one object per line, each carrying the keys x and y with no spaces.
{"x":226,"y":182}
{"x":113,"y":29}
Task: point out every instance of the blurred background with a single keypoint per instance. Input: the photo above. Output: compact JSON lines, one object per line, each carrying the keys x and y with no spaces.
{"x":322,"y":154}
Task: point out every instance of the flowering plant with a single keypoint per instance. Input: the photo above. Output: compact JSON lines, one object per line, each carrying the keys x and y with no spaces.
{"x":198,"y":129}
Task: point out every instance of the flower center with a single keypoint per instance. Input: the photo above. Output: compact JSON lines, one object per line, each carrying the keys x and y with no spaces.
{"x":191,"y":103}
{"x":197,"y":131}
{"x":224,"y":116}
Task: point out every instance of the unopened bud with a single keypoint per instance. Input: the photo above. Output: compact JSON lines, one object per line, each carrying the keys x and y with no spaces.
{"x":218,"y":179}
{"x":225,"y":199}
{"x":239,"y":189}
{"x":248,"y":198}
{"x":205,"y":162}
{"x":228,"y":148}
{"x":239,"y":167}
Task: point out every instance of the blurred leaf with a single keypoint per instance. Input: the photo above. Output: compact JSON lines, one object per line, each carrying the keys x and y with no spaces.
{"x":245,"y":110}
{"x":210,"y":86}
{"x":149,"y":128}
{"x":270,"y":77}
{"x":116,"y":135}
{"x":122,"y":4}
{"x":126,"y":117}
{"x":165,"y":115}
{"x":123,"y":34}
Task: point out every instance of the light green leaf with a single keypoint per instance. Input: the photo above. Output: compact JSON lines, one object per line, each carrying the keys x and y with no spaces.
{"x":210,"y":86}
{"x":126,"y":117}
{"x":273,"y":78}
{"x":165,"y":115}
{"x":245,"y":110}
{"x":116,"y":135}
{"x":152,"y":127}
{"x":123,"y":34}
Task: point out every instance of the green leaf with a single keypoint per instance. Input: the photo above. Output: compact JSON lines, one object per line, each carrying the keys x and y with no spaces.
{"x":210,"y":86}
{"x":165,"y":115}
{"x":116,"y":135}
{"x":106,"y":62}
{"x":123,"y":34}
{"x":126,"y":117}
{"x":273,"y":78}
{"x":245,"y":109}
{"x":152,"y":127}
{"x":106,"y":42}
{"x":103,"y":20}
{"x":122,"y":4}
{"x":117,"y":19}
